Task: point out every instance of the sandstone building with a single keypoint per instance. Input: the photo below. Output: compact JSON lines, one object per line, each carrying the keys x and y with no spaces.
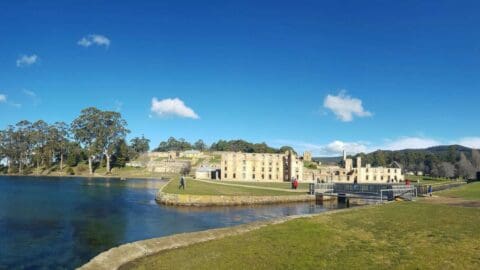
{"x":237,"y":166}
{"x":350,"y":173}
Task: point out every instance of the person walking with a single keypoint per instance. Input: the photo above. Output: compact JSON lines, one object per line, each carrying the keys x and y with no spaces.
{"x":430,"y":190}
{"x":182,"y":183}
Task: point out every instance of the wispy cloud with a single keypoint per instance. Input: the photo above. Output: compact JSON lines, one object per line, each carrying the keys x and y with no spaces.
{"x":409,"y":143}
{"x":5,"y":100}
{"x":118,"y":105}
{"x":32,"y":96}
{"x":345,"y":107}
{"x":472,"y":142}
{"x":27,"y":60}
{"x":172,"y":107}
{"x":336,"y":147}
{"x":94,"y":39}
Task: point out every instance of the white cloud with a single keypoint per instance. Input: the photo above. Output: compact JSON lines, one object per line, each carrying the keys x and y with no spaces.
{"x":337,"y":148}
{"x":3,"y":98}
{"x":334,"y":148}
{"x":171,"y":107}
{"x":25,"y":60}
{"x":345,"y":107}
{"x":409,"y":143}
{"x":472,"y":142}
{"x":94,"y":39}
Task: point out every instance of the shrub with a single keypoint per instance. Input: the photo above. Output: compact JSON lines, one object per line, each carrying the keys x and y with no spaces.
{"x":82,"y":168}
{"x":70,"y":171}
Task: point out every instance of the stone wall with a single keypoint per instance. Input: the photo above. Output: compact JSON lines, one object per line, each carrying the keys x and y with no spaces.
{"x":220,"y":200}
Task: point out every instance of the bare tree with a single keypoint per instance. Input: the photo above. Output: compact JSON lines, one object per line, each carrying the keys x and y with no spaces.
{"x":465,"y":168}
{"x":476,"y":159}
{"x":446,"y":169}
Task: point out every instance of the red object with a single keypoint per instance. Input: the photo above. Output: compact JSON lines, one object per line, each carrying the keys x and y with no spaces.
{"x":407,"y":182}
{"x":295,"y":184}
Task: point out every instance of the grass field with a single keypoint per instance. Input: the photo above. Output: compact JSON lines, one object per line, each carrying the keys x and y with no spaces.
{"x":404,"y":235}
{"x":468,"y":191}
{"x":283,"y":185}
{"x":427,"y":179}
{"x":195,"y":187}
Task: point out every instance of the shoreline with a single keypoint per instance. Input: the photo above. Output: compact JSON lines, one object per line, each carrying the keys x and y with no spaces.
{"x":90,"y":176}
{"x":121,"y":256}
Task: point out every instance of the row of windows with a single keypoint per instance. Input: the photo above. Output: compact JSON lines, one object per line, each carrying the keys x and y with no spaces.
{"x":253,"y":169}
{"x":234,"y":176}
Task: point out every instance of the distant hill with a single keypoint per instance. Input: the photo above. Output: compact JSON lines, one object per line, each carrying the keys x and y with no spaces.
{"x":445,"y":160}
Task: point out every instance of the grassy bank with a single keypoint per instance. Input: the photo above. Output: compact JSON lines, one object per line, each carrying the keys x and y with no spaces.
{"x":407,"y":235}
{"x":468,"y":192}
{"x":195,"y":187}
{"x":282,"y":185}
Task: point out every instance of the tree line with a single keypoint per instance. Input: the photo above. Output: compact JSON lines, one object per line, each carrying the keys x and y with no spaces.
{"x":173,"y":144}
{"x":94,"y":137}
{"x":443,"y":161}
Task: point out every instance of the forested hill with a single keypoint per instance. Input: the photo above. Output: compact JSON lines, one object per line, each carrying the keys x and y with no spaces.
{"x":445,"y":161}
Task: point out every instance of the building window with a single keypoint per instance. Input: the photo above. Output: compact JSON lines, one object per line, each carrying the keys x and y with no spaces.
{"x":244,"y":161}
{"x":367,"y":178}
{"x":225,"y":175}
{"x":263,"y":169}
{"x":253,"y":169}
{"x":270,"y":169}
{"x":234,"y":176}
{"x":269,"y":177}
{"x":225,"y":168}
{"x":253,"y":176}
{"x":263,"y":176}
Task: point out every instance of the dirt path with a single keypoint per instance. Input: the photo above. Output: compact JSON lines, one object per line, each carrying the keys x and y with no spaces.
{"x":452,"y":201}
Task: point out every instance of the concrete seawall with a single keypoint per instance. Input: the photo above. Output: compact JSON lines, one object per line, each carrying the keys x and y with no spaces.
{"x":221,"y":200}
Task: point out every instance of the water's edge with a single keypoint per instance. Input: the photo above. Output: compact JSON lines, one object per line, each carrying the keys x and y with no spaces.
{"x":121,"y":256}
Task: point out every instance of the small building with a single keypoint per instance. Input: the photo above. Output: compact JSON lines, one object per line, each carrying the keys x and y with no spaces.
{"x":207,"y":173}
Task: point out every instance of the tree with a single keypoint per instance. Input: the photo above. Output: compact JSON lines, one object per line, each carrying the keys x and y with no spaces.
{"x":476,"y":159}
{"x":39,"y":139}
{"x":446,"y":169}
{"x":465,"y":168}
{"x":85,"y":129}
{"x":59,"y":133}
{"x":200,"y":145}
{"x":111,"y":129}
{"x":139,"y":146}
{"x":120,"y":157}
{"x":22,"y":138}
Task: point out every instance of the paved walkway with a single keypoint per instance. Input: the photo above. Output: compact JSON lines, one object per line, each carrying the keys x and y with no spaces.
{"x":256,"y":187}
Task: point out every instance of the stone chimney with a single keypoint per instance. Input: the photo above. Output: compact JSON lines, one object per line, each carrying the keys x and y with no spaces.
{"x":359,"y":162}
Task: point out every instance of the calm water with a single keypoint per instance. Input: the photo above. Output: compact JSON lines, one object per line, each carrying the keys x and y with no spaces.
{"x":55,"y":223}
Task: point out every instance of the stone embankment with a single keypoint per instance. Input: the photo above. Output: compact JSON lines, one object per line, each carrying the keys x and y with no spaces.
{"x":223,"y":200}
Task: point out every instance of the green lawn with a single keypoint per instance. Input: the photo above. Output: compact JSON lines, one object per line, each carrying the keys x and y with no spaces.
{"x":201,"y":188}
{"x":403,"y":235}
{"x":284,"y":185}
{"x":468,"y":191}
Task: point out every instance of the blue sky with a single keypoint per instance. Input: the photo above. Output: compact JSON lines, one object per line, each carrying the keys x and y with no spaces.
{"x":317,"y":75}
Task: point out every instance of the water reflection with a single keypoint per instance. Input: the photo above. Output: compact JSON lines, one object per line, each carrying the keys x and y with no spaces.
{"x":56,"y":223}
